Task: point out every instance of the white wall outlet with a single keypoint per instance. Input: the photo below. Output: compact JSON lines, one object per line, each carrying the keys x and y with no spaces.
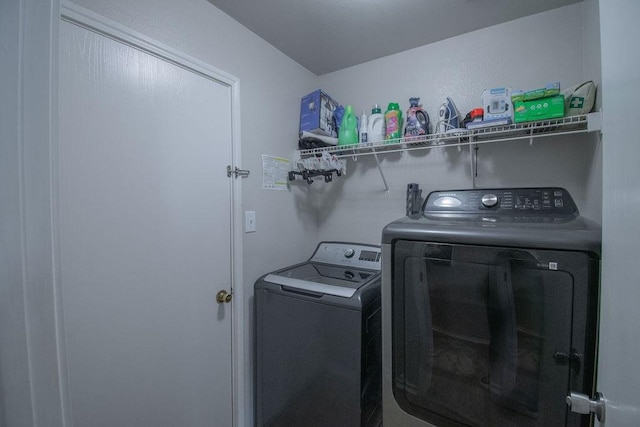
{"x":249,"y":221}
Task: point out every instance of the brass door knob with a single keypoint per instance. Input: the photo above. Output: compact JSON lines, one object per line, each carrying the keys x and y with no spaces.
{"x":223,"y":296}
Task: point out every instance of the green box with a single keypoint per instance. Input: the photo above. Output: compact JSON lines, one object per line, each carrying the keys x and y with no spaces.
{"x":539,"y":109}
{"x":550,"y":89}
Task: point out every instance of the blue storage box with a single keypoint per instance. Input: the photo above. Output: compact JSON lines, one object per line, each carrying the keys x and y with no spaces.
{"x":316,"y":114}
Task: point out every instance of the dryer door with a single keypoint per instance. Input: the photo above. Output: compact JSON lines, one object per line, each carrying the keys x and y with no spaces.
{"x":486,"y":336}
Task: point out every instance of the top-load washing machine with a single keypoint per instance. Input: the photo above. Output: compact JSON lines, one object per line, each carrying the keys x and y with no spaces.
{"x":318,"y":340}
{"x":490,"y":302}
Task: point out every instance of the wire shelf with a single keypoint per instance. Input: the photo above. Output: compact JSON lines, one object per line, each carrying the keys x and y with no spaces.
{"x":518,"y":131}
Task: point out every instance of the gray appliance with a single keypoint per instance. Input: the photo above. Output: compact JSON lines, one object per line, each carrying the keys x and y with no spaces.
{"x":318,"y":340}
{"x":490,"y":302}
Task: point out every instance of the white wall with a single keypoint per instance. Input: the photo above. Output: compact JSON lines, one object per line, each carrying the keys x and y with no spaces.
{"x":271,"y":85}
{"x":526,"y":53}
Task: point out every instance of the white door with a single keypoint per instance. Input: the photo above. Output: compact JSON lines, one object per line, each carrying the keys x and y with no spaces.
{"x":618,"y":367}
{"x":145,"y":237}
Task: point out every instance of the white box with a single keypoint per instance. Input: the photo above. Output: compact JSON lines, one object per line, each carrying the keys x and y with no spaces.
{"x":497,"y":103}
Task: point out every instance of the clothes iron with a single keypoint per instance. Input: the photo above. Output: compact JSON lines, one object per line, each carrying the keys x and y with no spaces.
{"x":448,"y":117}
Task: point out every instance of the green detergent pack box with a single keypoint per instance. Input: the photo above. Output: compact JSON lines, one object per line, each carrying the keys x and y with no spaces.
{"x":538,"y":109}
{"x":551,"y":89}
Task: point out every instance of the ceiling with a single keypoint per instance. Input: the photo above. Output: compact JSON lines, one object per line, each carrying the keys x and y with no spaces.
{"x":329,"y":35}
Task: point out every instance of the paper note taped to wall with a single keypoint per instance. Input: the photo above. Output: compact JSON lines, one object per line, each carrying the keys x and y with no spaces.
{"x":275,"y":173}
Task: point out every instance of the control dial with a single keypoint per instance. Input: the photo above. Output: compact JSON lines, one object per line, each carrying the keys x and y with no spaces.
{"x":489,"y":200}
{"x":349,"y":253}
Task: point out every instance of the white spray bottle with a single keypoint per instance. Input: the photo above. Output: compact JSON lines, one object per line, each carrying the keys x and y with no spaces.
{"x":363,"y":129}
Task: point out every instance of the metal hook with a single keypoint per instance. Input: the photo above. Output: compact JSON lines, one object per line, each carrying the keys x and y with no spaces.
{"x":531,"y":138}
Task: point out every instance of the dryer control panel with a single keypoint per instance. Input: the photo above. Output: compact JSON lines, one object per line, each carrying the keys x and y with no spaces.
{"x":548,"y":200}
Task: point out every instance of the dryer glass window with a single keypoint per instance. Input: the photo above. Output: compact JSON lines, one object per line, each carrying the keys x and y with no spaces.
{"x":485,"y":336}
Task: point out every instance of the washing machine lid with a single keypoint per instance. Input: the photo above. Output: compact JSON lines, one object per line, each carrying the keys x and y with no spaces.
{"x":322,"y":279}
{"x":336,"y":268}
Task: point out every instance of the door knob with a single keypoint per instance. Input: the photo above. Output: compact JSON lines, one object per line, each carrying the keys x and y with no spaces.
{"x":223,"y":296}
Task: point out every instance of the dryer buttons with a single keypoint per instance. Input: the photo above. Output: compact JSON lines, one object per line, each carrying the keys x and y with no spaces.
{"x":489,"y":200}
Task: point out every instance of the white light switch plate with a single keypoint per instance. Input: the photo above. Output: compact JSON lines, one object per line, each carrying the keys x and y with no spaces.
{"x":249,"y":221}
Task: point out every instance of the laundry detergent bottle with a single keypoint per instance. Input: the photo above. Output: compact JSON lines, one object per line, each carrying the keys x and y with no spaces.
{"x":393,"y":121}
{"x":348,"y":133}
{"x":375,"y":125}
{"x":417,"y":119}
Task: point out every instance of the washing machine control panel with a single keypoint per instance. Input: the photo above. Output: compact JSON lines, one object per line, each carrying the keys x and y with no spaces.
{"x":348,"y":254}
{"x":489,"y":200}
{"x":551,"y":200}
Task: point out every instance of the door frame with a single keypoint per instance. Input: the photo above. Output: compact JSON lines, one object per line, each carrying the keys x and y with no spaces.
{"x":92,"y":21}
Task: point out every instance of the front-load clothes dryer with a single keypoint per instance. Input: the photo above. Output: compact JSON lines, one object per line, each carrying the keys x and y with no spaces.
{"x":318,"y":340}
{"x":490,"y":302}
